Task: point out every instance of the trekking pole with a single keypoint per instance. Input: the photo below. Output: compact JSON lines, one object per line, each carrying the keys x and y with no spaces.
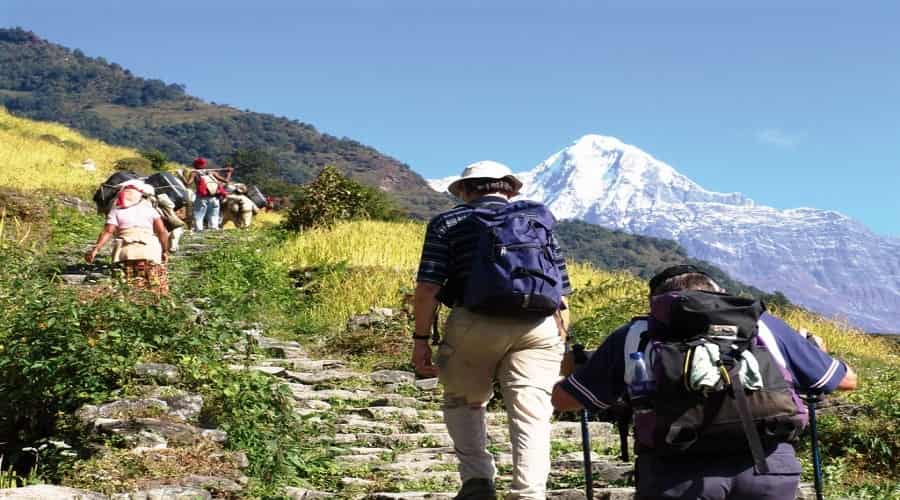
{"x":622,"y":424}
{"x":811,"y":400}
{"x":580,"y":359}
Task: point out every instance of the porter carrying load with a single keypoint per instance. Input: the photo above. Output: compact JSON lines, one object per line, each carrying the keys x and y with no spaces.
{"x":171,"y":186}
{"x":107,"y":191}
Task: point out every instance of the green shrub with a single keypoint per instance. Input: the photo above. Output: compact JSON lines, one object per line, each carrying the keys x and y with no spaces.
{"x":868,"y":436}
{"x":140,"y":166}
{"x":156,"y":158}
{"x":60,"y":350}
{"x":331,"y":197}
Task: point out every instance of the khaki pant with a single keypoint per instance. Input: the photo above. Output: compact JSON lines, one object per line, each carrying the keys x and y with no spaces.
{"x":524,"y":357}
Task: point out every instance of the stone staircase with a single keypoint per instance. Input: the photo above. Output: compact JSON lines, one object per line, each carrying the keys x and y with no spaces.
{"x":389,"y":431}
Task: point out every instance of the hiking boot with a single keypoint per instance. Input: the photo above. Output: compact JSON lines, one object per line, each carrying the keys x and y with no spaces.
{"x":477,"y":489}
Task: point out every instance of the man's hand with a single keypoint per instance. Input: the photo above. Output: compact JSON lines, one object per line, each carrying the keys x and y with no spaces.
{"x":90,"y":256}
{"x":421,"y":359}
{"x":424,"y":307}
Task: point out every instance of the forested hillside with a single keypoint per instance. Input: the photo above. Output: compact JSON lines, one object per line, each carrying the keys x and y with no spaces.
{"x":643,"y":256}
{"x":45,"y":81}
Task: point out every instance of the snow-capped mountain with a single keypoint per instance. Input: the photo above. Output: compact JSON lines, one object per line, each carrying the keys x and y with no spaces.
{"x":820,"y":259}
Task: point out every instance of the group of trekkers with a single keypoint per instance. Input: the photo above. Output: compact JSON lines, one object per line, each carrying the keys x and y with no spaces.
{"x":146,"y":217}
{"x":712,"y":380}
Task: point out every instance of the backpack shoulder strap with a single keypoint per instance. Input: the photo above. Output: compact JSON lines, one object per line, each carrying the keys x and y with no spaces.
{"x":633,"y":341}
{"x":768,"y":338}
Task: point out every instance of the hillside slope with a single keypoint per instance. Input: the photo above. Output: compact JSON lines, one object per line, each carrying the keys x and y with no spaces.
{"x":47,"y":156}
{"x":643,"y":256}
{"x":45,"y":81}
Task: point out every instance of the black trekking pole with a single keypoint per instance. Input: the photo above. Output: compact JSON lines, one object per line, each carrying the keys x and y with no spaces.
{"x":811,"y":400}
{"x":581,"y":358}
{"x":623,"y":422}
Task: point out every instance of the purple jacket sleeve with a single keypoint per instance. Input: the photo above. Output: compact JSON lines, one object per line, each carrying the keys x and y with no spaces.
{"x":812,"y":368}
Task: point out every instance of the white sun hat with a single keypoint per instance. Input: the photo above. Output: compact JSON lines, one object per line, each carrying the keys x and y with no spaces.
{"x":486,"y":169}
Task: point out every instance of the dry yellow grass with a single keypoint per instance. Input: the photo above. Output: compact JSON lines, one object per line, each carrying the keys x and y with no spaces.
{"x":39,"y":155}
{"x":389,"y":245}
{"x":842,"y":338}
{"x":264,"y":219}
{"x":383,"y":257}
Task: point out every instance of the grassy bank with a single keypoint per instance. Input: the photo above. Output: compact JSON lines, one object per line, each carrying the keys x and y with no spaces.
{"x":45,"y":156}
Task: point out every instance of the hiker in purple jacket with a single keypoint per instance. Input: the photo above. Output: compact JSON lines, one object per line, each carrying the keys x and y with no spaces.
{"x":600,"y":383}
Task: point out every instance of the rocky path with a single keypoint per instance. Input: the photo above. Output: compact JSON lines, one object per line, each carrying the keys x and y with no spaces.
{"x":390,"y":439}
{"x":385,"y":427}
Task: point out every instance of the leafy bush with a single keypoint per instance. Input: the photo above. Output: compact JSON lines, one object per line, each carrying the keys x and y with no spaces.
{"x":156,"y":158}
{"x":138,"y":165}
{"x":331,"y":197}
{"x":61,"y":350}
{"x":868,"y":436}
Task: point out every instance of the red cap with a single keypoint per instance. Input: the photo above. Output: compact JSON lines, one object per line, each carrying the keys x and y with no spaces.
{"x":199,"y":162}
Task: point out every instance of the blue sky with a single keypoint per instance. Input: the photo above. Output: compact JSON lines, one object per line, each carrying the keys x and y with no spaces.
{"x":793,"y":106}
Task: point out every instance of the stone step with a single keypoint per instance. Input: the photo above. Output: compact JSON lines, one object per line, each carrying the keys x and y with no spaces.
{"x":425,"y":440}
{"x":433,"y":427}
{"x":493,"y":417}
{"x":388,"y":413}
{"x":304,"y":364}
{"x":427,"y":384}
{"x":357,"y":483}
{"x":357,"y":459}
{"x":361,"y":450}
{"x":605,"y":470}
{"x":393,"y":377}
{"x":568,"y":494}
{"x":155,"y":432}
{"x":335,"y":394}
{"x":73,"y":279}
{"x":423,"y":459}
{"x":350,"y":425}
{"x":320,"y":376}
{"x":391,"y":399}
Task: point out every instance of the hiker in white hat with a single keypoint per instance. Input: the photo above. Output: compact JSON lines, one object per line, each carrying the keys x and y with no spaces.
{"x":486,"y":170}
{"x":497,"y":265}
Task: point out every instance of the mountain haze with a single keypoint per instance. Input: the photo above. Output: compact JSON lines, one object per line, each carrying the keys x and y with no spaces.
{"x":45,"y":81}
{"x":820,"y":259}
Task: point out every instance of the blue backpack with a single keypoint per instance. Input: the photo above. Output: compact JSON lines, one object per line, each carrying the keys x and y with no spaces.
{"x":514,"y":270}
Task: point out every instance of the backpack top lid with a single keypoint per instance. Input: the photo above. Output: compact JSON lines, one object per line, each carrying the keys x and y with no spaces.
{"x":688,"y":314}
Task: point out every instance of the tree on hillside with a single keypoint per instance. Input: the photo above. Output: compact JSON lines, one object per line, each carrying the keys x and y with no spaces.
{"x":331,"y":197}
{"x":254,"y":166}
{"x":156,"y":158}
